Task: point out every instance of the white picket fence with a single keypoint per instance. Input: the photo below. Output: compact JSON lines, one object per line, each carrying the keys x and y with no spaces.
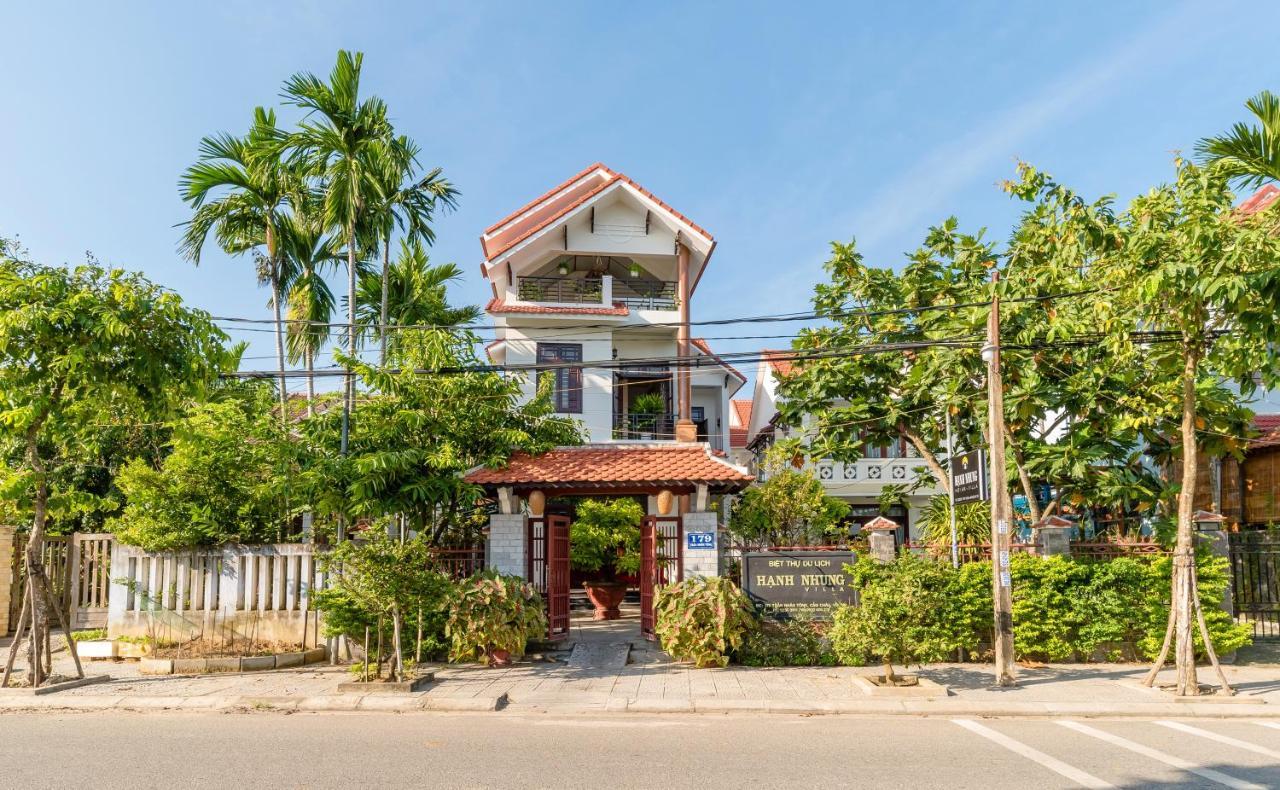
{"x":262,"y":592}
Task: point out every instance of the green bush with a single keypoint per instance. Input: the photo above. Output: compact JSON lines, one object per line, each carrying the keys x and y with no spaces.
{"x":604,"y":537}
{"x":702,"y":620}
{"x":491,"y":613}
{"x":1064,"y":609}
{"x":794,"y":643}
{"x":904,"y":615}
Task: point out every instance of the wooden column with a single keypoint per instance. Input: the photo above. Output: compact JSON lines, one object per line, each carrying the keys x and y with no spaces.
{"x":684,"y":348}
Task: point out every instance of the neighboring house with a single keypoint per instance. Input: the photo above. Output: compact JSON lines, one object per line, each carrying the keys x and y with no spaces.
{"x":739,"y":428}
{"x":1245,"y":492}
{"x":593,"y":271}
{"x":859,"y":483}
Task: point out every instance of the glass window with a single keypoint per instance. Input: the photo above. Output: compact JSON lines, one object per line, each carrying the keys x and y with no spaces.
{"x":566,"y":389}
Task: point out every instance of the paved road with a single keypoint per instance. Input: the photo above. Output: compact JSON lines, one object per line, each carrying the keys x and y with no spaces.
{"x":130,"y":750}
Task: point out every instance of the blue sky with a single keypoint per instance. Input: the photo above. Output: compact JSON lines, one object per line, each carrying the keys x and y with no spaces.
{"x":778,"y":127}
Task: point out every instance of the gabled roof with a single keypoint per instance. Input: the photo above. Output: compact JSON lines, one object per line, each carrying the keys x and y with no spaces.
{"x":702,"y":346}
{"x":561,"y":200}
{"x":1269,"y":425}
{"x":621,"y":467}
{"x":1260,"y":200}
{"x":739,"y":423}
{"x":780,"y":361}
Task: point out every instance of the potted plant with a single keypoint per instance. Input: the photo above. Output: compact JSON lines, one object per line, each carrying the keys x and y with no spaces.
{"x":491,"y":618}
{"x":604,"y":540}
{"x":647,"y":408}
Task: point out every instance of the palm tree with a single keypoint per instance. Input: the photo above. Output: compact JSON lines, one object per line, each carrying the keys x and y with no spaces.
{"x":336,"y":140}
{"x":307,"y":251}
{"x":407,"y":202}
{"x":1251,"y":154}
{"x":411,"y":292}
{"x":252,"y":185}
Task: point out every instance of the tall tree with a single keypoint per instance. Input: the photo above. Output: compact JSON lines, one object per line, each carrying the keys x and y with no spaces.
{"x":308,"y":251}
{"x":1194,"y":288}
{"x":1248,"y":154}
{"x":239,"y":188}
{"x":76,"y":345}
{"x":412,"y":291}
{"x":338,"y":140}
{"x":406,"y":201}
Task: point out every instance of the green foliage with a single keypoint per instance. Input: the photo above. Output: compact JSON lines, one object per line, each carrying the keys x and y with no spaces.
{"x":1064,"y":609}
{"x":902,"y":617}
{"x":702,"y":620}
{"x":605,"y":536}
{"x":224,"y":480}
{"x":795,"y":643}
{"x":491,"y":612}
{"x":650,"y":403}
{"x":973,"y":524}
{"x":788,"y":507}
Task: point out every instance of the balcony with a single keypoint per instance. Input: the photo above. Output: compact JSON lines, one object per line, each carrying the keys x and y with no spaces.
{"x":871,"y":473}
{"x":638,"y":294}
{"x":644,"y":427}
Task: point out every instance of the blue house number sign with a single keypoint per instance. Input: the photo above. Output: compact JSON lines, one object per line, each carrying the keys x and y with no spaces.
{"x":700,"y":540}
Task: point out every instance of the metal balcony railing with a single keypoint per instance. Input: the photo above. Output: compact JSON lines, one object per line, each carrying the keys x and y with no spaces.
{"x":646,"y":294}
{"x":652,"y":427}
{"x":568,"y":290}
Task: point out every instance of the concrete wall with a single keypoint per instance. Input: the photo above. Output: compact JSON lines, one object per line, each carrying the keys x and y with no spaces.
{"x":508,"y":537}
{"x":597,"y":383}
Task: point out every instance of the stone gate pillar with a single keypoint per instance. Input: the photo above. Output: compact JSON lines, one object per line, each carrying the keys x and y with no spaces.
{"x":703,"y":561}
{"x":508,"y":544}
{"x":6,"y":577}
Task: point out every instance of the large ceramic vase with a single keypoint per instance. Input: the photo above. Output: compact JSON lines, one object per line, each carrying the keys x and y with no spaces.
{"x":606,"y":597}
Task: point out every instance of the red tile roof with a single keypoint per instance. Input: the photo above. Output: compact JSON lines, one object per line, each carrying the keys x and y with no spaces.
{"x":738,"y":433}
{"x":779,"y":361}
{"x":619,"y":466}
{"x":613,"y":177}
{"x":702,"y":346}
{"x":498,"y":306}
{"x":1269,"y":425}
{"x":1260,"y":200}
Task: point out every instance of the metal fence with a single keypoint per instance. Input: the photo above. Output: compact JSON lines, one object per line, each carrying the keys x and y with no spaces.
{"x":1255,"y":580}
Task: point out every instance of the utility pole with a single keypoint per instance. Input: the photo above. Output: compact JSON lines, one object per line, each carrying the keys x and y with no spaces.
{"x":1001,"y":583}
{"x":951,"y":488}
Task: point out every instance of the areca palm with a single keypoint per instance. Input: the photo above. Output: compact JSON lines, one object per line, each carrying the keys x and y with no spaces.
{"x":239,"y":187}
{"x":405,"y":201}
{"x":1250,"y":154}
{"x":411,"y":292}
{"x":336,"y":140}
{"x":308,"y":250}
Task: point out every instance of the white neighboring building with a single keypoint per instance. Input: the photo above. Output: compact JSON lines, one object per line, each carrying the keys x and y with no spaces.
{"x":599,"y":270}
{"x":858,"y":483}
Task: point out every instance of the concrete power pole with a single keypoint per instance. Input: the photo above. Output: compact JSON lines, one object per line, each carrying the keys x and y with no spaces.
{"x":1001,"y":519}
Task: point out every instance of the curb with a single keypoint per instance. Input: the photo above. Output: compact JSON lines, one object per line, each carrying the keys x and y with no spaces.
{"x":937,"y":708}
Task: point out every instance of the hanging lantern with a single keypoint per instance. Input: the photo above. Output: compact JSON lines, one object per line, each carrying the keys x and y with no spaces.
{"x":665,"y":499}
{"x":537,"y":502}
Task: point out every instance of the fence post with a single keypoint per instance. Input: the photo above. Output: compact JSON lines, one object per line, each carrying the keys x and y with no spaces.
{"x":6,"y":577}
{"x":119,"y":593}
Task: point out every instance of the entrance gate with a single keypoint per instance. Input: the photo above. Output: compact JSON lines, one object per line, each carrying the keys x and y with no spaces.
{"x":548,"y":569}
{"x":1255,"y":581}
{"x":661,"y":562}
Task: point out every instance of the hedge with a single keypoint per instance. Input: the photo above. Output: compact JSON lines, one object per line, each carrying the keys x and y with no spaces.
{"x":1066,"y":610}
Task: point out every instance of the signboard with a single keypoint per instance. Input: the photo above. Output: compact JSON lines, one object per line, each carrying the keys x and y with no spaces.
{"x":798,"y":585}
{"x":969,"y":477}
{"x":700,"y":540}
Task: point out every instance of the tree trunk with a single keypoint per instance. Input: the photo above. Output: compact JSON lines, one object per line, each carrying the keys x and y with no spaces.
{"x":1184,"y":566}
{"x":397,"y":673}
{"x":382,"y":328}
{"x":890,"y":679}
{"x":1027,"y":489}
{"x":310,"y":356}
{"x":930,"y":459}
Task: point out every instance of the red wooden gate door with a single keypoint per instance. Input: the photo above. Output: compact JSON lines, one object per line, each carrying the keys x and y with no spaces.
{"x":557,"y":576}
{"x":661,"y":562}
{"x":648,"y":574}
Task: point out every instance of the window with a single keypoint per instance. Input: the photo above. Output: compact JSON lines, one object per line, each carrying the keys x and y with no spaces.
{"x":566,"y":391}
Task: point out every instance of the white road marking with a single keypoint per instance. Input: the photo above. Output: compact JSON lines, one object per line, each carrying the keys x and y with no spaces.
{"x":1213,"y":736}
{"x":1273,"y":725}
{"x":1017,"y":747}
{"x":1167,"y":759}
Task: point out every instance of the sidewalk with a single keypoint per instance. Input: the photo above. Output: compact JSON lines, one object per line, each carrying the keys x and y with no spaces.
{"x":651,"y":683}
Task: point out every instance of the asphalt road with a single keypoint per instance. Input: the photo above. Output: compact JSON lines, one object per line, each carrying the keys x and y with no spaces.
{"x":135,"y":750}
